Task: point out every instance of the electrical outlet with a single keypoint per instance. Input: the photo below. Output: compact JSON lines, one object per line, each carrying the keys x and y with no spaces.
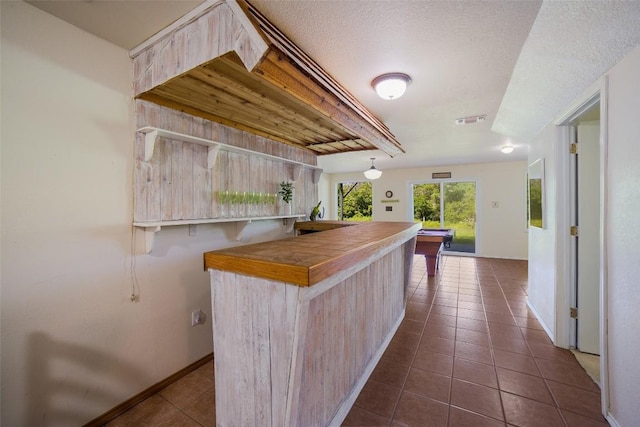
{"x":193,"y":229}
{"x":198,"y":317}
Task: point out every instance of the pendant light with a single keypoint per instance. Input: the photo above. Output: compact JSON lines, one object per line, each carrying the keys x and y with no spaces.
{"x":372,"y":172}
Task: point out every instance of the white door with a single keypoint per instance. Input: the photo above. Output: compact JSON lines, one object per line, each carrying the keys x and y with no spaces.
{"x":588,"y":256}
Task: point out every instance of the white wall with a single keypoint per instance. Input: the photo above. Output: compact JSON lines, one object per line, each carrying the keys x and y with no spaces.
{"x":622,"y":235}
{"x":324,"y":195}
{"x":73,"y":344}
{"x":542,"y":243}
{"x":501,"y":232}
{"x":623,"y":232}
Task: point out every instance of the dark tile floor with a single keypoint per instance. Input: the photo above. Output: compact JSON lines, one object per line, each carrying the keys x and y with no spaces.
{"x":469,"y":353}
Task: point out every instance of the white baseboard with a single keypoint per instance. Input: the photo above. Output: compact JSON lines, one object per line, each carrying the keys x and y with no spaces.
{"x":539,"y":318}
{"x":612,"y":421}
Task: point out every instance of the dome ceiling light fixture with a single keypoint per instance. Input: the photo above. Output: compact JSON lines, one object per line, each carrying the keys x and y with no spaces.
{"x":391,"y":85}
{"x":506,"y":149}
{"x":372,"y":172}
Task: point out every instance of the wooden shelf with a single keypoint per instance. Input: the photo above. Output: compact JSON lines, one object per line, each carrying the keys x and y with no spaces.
{"x":152,"y":227}
{"x":151,"y":134}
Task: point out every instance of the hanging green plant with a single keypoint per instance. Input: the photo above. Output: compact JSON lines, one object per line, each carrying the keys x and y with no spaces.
{"x":286,"y":191}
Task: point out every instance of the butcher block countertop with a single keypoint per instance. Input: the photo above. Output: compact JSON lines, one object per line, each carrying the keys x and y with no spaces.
{"x":308,"y":259}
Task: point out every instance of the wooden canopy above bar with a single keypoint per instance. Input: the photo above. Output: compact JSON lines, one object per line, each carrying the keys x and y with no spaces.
{"x":232,"y":66}
{"x":309,"y":259}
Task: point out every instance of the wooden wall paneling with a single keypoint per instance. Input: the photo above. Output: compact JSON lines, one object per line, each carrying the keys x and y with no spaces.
{"x":274,"y":179}
{"x":198,"y":34}
{"x":222,"y":179}
{"x":141,"y":176}
{"x":225,"y":321}
{"x":162,"y":160}
{"x":301,"y":355}
{"x":360,"y":341}
{"x":162,"y":63}
{"x":212,"y":40}
{"x":186,"y":180}
{"x":313,"y":382}
{"x":254,"y":43}
{"x":332,"y":382}
{"x":142,"y":70}
{"x":201,"y":187}
{"x":227,"y":28}
{"x":245,"y":138}
{"x":340,"y":381}
{"x":233,"y":171}
{"x":261,"y":184}
{"x":352,"y":331}
{"x":176,"y":185}
{"x":283,"y":312}
{"x":246,"y":333}
{"x":319,"y":379}
{"x":369,"y":307}
{"x":261,"y":352}
{"x":245,"y":172}
{"x":311,"y":191}
{"x":198,"y":127}
{"x":301,"y":202}
{"x":194,"y":38}
{"x":177,"y":176}
{"x":293,"y":398}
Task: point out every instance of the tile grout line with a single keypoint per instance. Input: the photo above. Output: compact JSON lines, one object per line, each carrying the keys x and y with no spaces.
{"x":395,"y":407}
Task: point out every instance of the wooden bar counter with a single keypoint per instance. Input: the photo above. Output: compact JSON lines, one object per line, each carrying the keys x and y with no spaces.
{"x":300,"y":323}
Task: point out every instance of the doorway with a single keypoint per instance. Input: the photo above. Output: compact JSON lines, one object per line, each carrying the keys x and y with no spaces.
{"x":586,"y":187}
{"x":585,"y":260}
{"x":581,"y":308}
{"x":449,"y":205}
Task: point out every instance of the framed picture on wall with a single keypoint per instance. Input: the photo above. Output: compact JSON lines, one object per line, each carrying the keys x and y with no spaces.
{"x":535,"y":193}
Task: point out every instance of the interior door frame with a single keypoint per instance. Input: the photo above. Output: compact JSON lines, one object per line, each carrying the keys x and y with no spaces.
{"x":564,"y":325}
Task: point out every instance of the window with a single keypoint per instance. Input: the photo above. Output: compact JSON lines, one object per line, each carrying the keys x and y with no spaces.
{"x":448,"y":205}
{"x":354,"y":201}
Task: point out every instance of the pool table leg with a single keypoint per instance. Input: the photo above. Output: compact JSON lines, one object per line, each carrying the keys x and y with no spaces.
{"x":433,"y":262}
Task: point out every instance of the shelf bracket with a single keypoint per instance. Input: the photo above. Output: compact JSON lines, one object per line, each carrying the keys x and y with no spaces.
{"x":316,"y":175}
{"x":150,"y":237}
{"x":212,"y":155}
{"x":295,"y":171}
{"x":288,"y":223}
{"x":149,"y":144}
{"x":240,"y":226}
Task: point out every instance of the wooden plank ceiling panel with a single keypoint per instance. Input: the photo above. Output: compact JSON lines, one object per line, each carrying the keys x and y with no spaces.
{"x":286,"y":97}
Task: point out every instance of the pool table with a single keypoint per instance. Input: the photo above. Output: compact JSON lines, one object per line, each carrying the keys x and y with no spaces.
{"x":430,"y":243}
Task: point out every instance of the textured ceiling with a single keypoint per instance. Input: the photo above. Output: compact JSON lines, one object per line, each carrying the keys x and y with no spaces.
{"x":460,"y":54}
{"x":570,"y":46}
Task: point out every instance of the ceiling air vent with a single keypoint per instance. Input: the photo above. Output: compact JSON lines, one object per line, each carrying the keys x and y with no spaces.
{"x":471,"y":120}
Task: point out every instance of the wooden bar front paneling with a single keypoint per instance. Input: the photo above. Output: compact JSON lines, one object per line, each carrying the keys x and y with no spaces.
{"x":290,"y":355}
